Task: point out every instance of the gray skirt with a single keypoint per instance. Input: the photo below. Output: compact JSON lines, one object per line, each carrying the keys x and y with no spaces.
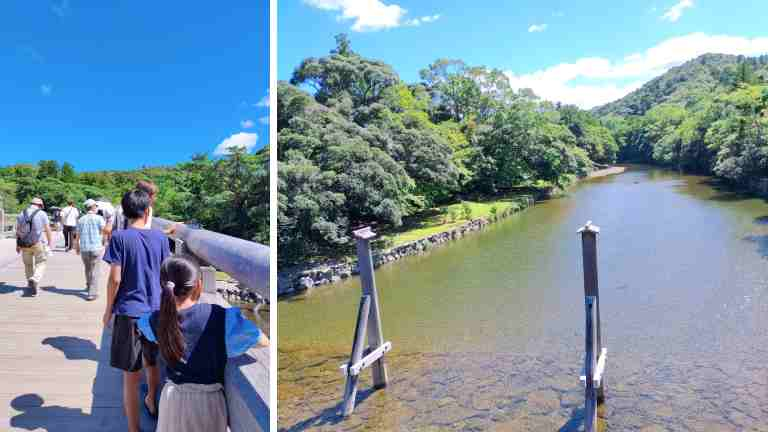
{"x":192,"y":408}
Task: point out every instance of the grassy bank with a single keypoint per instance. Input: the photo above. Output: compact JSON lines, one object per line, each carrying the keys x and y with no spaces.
{"x":447,"y":217}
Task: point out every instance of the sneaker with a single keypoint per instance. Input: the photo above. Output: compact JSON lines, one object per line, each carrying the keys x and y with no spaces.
{"x":91,"y":297}
{"x":33,"y":287}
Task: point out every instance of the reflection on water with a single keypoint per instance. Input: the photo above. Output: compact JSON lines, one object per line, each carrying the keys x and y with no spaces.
{"x":488,"y":333}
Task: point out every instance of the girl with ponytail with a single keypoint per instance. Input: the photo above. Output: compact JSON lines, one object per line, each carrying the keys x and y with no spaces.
{"x":195,"y":340}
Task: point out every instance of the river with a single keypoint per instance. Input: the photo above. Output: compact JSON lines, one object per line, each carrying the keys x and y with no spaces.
{"x":488,"y":332}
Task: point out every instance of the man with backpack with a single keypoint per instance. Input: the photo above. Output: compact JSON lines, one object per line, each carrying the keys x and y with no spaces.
{"x":30,"y":225}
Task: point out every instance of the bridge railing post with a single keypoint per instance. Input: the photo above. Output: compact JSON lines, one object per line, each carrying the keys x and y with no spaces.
{"x":368,"y":326}
{"x":178,"y":246}
{"x":595,"y":352}
{"x":208,"y":274}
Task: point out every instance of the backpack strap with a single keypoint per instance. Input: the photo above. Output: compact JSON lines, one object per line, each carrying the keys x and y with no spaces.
{"x":31,"y":218}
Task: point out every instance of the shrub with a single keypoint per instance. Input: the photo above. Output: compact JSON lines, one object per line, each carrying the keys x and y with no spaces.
{"x":452,"y":214}
{"x":466,"y":210}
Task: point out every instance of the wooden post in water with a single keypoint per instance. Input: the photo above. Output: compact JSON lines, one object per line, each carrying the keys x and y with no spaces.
{"x":368,"y":326}
{"x":589,"y":234}
{"x":590,"y":364}
{"x":375,"y":335}
{"x":350,"y":388}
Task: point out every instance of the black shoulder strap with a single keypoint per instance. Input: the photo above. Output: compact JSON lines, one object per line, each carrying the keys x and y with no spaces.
{"x":32,"y":218}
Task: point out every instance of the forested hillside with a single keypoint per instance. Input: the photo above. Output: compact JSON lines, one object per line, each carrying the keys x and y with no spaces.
{"x":228,"y":195}
{"x":708,"y":116}
{"x":357,"y":145}
{"x":709,"y":73}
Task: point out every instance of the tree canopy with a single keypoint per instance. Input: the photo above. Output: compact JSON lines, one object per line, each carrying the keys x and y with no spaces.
{"x":228,"y":195}
{"x":357,"y":145}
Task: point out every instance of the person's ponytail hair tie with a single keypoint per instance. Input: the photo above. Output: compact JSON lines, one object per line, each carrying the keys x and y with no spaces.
{"x":178,"y":278}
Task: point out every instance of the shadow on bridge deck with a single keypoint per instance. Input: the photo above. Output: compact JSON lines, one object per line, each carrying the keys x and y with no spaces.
{"x":54,"y":354}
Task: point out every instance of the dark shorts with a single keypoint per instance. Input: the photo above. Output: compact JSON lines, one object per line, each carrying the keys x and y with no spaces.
{"x":129,"y":346}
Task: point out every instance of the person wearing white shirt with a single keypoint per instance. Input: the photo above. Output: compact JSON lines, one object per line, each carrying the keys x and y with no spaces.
{"x":69,"y":216}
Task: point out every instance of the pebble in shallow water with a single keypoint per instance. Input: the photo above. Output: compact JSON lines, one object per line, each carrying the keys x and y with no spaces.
{"x":470,"y":391}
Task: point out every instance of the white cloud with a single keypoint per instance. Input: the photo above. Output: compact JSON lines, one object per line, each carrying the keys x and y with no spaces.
{"x":247,"y":124}
{"x":244,"y":140}
{"x":675,"y":12}
{"x":609,"y":81}
{"x":46,"y":89}
{"x":537,"y":28}
{"x":264,"y":102}
{"x":423,"y":20}
{"x":264,"y":120}
{"x":370,"y":15}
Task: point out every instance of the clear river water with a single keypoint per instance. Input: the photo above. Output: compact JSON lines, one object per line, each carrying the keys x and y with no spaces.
{"x":488,"y":332}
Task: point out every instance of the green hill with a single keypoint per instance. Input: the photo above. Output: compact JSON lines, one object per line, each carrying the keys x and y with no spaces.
{"x":709,"y":115}
{"x":685,"y":84}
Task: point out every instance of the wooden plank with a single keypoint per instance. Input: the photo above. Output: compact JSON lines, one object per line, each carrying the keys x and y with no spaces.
{"x":370,"y":358}
{"x":599,"y":369}
{"x":368,"y":282}
{"x":350,"y":388}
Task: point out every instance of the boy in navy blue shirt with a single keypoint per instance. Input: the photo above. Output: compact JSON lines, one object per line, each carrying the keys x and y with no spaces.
{"x":135,"y":255}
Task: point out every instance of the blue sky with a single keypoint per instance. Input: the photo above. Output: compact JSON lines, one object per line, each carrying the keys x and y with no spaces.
{"x":587,"y":53}
{"x":121,"y":84}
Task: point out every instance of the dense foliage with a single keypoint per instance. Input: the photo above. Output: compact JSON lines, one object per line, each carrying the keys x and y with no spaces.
{"x":709,"y":116}
{"x":356,"y":145}
{"x":228,"y":195}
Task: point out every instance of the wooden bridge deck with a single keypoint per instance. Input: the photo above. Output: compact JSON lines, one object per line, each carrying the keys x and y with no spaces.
{"x":54,"y":352}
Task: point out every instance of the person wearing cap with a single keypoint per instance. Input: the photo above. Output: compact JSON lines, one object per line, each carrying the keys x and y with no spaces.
{"x":69,"y":216}
{"x":89,"y":245}
{"x":31,"y":224}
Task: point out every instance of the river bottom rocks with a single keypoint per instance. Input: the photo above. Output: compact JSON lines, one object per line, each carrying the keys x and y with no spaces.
{"x":511,"y":392}
{"x":296,"y":280}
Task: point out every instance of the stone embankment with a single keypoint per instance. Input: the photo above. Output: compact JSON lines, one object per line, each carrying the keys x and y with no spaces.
{"x":232,"y":291}
{"x":300,"y":279}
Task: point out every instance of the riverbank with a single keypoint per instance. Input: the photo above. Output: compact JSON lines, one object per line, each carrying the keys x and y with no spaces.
{"x":434,"y":229}
{"x":614,"y":170}
{"x":437,"y":229}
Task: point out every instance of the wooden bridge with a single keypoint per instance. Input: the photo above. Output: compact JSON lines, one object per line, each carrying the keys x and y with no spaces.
{"x":54,"y":356}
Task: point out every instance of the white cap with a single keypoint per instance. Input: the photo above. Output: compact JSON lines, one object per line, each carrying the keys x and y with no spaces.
{"x":89,"y":203}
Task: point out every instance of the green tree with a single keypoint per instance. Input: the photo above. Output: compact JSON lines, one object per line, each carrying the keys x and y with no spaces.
{"x":345,"y":75}
{"x":68,"y":174}
{"x":47,"y":169}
